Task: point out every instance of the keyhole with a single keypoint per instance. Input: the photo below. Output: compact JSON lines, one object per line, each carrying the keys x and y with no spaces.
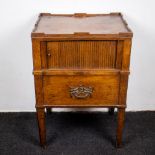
{"x":49,"y":54}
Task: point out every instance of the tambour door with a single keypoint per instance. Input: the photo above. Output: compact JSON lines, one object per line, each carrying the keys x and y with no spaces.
{"x":81,"y":54}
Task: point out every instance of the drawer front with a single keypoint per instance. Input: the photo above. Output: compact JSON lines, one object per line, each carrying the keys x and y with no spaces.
{"x":81,"y":54}
{"x":81,"y":90}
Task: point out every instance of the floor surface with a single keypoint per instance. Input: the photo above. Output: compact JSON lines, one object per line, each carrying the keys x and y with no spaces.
{"x":78,"y":133}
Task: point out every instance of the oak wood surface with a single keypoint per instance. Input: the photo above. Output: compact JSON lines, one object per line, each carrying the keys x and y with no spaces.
{"x":86,"y":23}
{"x":120,"y":125}
{"x":81,"y":54}
{"x":41,"y":125}
{"x":81,"y":60}
{"x":57,"y":90}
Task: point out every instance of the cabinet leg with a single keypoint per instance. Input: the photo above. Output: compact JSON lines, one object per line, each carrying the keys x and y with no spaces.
{"x":120,"y":125}
{"x":111,"y":111}
{"x":41,"y":125}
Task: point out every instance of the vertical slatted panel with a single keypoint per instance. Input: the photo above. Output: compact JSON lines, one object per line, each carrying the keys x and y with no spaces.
{"x":119,"y":54}
{"x":81,"y":54}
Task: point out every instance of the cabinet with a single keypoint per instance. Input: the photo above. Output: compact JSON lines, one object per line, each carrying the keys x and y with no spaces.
{"x":81,"y":60}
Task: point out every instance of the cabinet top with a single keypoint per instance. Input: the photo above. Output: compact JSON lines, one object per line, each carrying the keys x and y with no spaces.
{"x":81,"y":24}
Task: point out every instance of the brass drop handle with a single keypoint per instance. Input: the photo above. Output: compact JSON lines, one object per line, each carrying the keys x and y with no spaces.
{"x":81,"y":92}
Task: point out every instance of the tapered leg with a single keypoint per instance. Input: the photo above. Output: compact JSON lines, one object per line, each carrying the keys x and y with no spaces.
{"x":111,"y":111}
{"x":41,"y":125}
{"x":120,"y":125}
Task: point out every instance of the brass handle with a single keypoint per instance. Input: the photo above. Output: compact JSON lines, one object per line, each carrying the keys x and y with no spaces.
{"x":81,"y":92}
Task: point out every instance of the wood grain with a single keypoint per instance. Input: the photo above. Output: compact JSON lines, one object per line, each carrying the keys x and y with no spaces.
{"x":41,"y":125}
{"x":81,"y":60}
{"x":81,"y":54}
{"x":57,"y":90}
{"x":68,"y":24}
{"x":120,"y":126}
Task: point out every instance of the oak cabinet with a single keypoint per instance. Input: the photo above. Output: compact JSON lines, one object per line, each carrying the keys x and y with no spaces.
{"x":81,"y":60}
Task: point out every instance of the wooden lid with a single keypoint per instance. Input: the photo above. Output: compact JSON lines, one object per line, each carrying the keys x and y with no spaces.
{"x":81,"y":24}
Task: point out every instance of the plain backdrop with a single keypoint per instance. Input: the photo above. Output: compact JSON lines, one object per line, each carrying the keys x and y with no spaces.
{"x":17,"y":18}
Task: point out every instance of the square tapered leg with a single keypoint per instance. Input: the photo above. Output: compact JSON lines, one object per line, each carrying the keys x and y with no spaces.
{"x":120,"y":125}
{"x":41,"y":125}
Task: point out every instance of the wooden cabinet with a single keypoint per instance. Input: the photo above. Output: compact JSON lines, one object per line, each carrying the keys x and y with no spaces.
{"x":81,"y":60}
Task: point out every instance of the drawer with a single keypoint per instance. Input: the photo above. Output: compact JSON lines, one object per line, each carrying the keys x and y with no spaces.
{"x":80,"y":90}
{"x":81,"y":54}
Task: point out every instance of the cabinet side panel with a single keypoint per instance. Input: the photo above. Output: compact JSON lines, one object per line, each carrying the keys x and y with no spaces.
{"x":38,"y":89}
{"x":124,"y":71}
{"x":120,"y":44}
{"x":126,"y":54}
{"x":43,"y":53}
{"x":36,"y":54}
{"x":37,"y":65}
{"x":123,"y":88}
